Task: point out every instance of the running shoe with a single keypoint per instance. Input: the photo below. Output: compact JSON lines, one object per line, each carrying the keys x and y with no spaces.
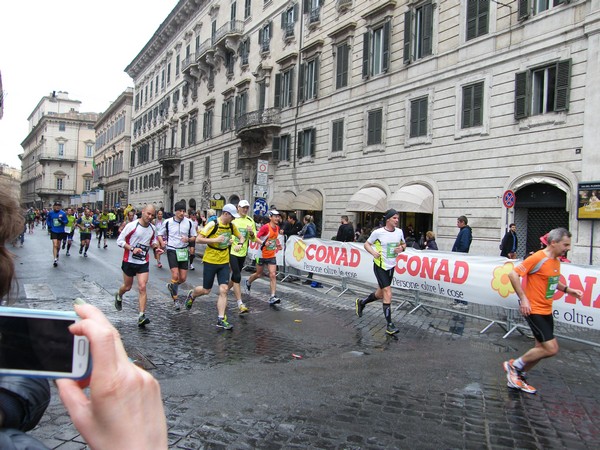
{"x":118,"y":302}
{"x":274,"y":300}
{"x":222,"y":323}
{"x":359,"y":307}
{"x":85,"y":254}
{"x":105,"y":245}
{"x":55,"y":263}
{"x":68,"y":254}
{"x":192,"y":267}
{"x":81,"y":250}
{"x":98,"y":244}
{"x":243,"y":309}
{"x":248,"y":286}
{"x":391,"y":329}
{"x":159,"y":265}
{"x":176,"y":305}
{"x":171,"y":291}
{"x":512,"y":375}
{"x":143,"y":321}
{"x":63,"y":245}
{"x":189,"y":300}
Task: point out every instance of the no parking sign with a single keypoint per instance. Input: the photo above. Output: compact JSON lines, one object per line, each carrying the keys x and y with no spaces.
{"x":509,"y":199}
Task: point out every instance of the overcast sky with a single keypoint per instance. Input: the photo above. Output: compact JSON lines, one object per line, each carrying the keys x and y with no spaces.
{"x":68,"y":45}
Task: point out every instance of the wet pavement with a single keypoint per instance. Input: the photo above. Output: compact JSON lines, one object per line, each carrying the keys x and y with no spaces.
{"x":310,"y":374}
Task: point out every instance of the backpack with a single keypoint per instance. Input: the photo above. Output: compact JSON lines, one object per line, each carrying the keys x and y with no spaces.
{"x":214,"y":230}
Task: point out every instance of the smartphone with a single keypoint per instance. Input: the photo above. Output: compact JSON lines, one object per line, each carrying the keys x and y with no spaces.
{"x":38,"y":343}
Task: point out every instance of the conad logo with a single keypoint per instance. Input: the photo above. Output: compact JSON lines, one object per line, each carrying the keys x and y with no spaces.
{"x":339,"y":256}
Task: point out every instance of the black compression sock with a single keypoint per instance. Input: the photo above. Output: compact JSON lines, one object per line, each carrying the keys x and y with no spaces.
{"x":387,"y":312}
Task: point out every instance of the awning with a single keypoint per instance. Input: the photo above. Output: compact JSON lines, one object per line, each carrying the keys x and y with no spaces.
{"x":369,"y":199}
{"x":413,"y":198}
{"x":309,"y":200}
{"x":283,"y":201}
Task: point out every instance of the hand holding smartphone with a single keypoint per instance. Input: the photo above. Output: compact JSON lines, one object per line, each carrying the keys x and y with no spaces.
{"x":38,"y":343}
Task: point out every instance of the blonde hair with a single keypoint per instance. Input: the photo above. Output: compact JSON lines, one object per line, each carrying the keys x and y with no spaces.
{"x":429,"y":235}
{"x":308,"y":218}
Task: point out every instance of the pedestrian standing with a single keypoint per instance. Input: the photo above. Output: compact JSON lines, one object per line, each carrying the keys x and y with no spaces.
{"x":384,"y":244}
{"x":180,"y":234}
{"x":136,"y":239}
{"x":462,"y":244}
{"x":345,"y":231}
{"x":269,"y":236}
{"x":217,"y":235}
{"x":542,"y":270}
{"x":430,"y":243}
{"x":508,"y":247}
{"x":56,"y":221}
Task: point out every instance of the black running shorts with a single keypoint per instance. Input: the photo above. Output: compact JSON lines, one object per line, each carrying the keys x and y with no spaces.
{"x":131,"y":269}
{"x":542,"y":326}
{"x":384,"y":277}
{"x":173,"y":263}
{"x":209,"y":272}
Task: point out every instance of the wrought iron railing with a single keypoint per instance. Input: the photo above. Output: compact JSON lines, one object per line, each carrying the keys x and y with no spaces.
{"x":271,"y":116}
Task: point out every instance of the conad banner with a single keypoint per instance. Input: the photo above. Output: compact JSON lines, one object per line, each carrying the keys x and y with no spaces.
{"x":477,"y":279}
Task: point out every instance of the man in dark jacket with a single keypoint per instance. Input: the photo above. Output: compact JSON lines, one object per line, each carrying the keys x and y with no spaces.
{"x":508,"y":248}
{"x":462,"y":244}
{"x":345,"y":232}
{"x":292,"y":226}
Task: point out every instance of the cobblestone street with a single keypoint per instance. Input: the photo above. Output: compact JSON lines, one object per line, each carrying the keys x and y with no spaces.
{"x":311,"y":374}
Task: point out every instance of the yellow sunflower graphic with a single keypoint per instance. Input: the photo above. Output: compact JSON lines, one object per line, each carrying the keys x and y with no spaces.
{"x":299,"y":250}
{"x":501,"y":282}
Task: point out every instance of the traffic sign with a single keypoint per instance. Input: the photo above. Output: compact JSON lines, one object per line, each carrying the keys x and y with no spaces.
{"x":509,"y":199}
{"x":263,"y":166}
{"x":260,"y":207}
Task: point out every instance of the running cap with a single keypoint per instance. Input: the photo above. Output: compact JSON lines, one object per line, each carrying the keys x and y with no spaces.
{"x":243,"y":204}
{"x":389,"y":214}
{"x":180,"y":205}
{"x":274,"y":212}
{"x":57,"y":203}
{"x":229,"y":208}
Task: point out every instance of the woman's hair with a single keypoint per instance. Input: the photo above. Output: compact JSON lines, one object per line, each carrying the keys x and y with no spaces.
{"x":429,"y":235}
{"x":11,"y":225}
{"x":308,"y":218}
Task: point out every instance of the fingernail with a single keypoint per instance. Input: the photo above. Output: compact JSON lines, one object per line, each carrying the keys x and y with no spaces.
{"x":79,"y":301}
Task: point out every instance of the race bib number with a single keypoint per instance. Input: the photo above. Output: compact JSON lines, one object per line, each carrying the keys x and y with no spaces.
{"x":552,"y":285}
{"x":56,"y":223}
{"x":225,"y":243}
{"x":271,"y":244}
{"x":67,"y":229}
{"x":141,"y":255}
{"x":104,"y":222}
{"x":182,"y":254}
{"x":389,"y":250}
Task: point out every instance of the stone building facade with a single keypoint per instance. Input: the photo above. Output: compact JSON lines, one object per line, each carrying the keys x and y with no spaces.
{"x":58,"y":152}
{"x":434,"y":108}
{"x":112,"y":151}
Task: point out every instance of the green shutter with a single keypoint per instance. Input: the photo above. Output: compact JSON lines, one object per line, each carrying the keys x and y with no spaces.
{"x":339,"y":65}
{"x":387,"y":35}
{"x":366,"y":50}
{"x":563,"y":82}
{"x":524,"y":9}
{"x":427,"y":29}
{"x":466,"y":109}
{"x":477,"y":104}
{"x":471,"y":19}
{"x":521,"y":95}
{"x":277,"y":100}
{"x":275,"y":148}
{"x":301,"y":82}
{"x":291,"y":88}
{"x":414,"y":118}
{"x":423,"y":104}
{"x":300,"y":142}
{"x":483,"y":17}
{"x":407,"y":36}
{"x":313,"y":142}
{"x":316,"y":79}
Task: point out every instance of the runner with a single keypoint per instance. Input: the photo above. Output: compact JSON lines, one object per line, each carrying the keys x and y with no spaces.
{"x":542,"y":270}
{"x":384,"y":244}
{"x":31,"y":219}
{"x":159,"y":223}
{"x":102,"y":227}
{"x":270,"y":246}
{"x":194,"y":218}
{"x":179,"y":233}
{"x":56,"y":220}
{"x":69,"y":231}
{"x":245,"y":224}
{"x":85,"y":224}
{"x":136,"y":239}
{"x":217,"y":234}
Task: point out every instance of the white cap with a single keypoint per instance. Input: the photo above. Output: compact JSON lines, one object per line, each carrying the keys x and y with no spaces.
{"x":229,"y":208}
{"x":274,"y":212}
{"x":243,"y":204}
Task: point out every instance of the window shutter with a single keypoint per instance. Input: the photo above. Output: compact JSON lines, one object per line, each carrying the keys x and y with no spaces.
{"x":414,"y":118}
{"x":306,"y":6}
{"x":378,"y":126}
{"x":334,"y":136}
{"x":484,"y":17}
{"x":275,"y":148}
{"x":524,"y":8}
{"x":366,"y":47}
{"x":387,"y":34}
{"x":270,"y":29}
{"x":291,"y":88}
{"x":260,"y":36}
{"x":427,"y":29}
{"x":477,"y":104}
{"x":521,"y":91}
{"x":316,"y":79}
{"x":423,"y":104}
{"x":283,"y":22}
{"x":295,"y":12}
{"x":563,"y":82}
{"x":407,"y":36}
{"x":471,"y":20}
{"x":237,"y":107}
{"x":313,"y":142}
{"x":277,"y":103}
{"x":223,"y":117}
{"x":339,"y":65}
{"x":300,"y":142}
{"x":301,"y":83}
{"x":466,"y":108}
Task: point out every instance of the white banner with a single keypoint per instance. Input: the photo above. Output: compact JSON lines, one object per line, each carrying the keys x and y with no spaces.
{"x":459,"y":276}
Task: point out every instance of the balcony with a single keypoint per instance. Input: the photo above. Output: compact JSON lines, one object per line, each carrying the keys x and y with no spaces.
{"x":258,"y":125}
{"x":343,"y":5}
{"x":233,"y":29}
{"x":169,"y":156}
{"x":49,"y":156}
{"x":188,"y":63}
{"x":56,"y":192}
{"x":314,"y":16}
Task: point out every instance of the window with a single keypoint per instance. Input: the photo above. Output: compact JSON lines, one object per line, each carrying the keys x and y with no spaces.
{"x":89,"y":150}
{"x":59,"y":184}
{"x":376,"y":50}
{"x":207,"y":127}
{"x":543,"y":89}
{"x":284,"y":87}
{"x":131,"y":185}
{"x":229,"y":61}
{"x":264,"y":37}
{"x":309,"y":76}
{"x":157,"y":179}
{"x":342,"y":62}
{"x":288,"y":21}
{"x":526,"y":7}
{"x":418,"y":32}
{"x":226,"y":161}
{"x":313,"y":9}
{"x":227,"y":115}
{"x":162,"y":79}
{"x":192,"y":130}
{"x":191,"y":171}
{"x":244,"y":51}
{"x":306,"y":143}
{"x":62,"y":126}
{"x":181,"y":171}
{"x":478,"y":12}
{"x":472,"y":107}
{"x":233,"y":12}
{"x":374,"y":127}
{"x":337,"y":135}
{"x":61,"y":149}
{"x":418,"y":117}
{"x":168,"y":73}
{"x":281,"y":148}
{"x":183,"y":134}
{"x":241,"y":103}
{"x":206,"y":166}
{"x":87,"y":184}
{"x":247,"y":8}
{"x":177,"y":61}
{"x":156,"y":85}
{"x":151,"y":88}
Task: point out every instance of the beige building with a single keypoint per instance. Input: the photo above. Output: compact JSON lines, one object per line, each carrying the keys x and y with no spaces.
{"x":112,"y":151}
{"x":58,"y":151}
{"x":434,"y":108}
{"x":11,"y":178}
